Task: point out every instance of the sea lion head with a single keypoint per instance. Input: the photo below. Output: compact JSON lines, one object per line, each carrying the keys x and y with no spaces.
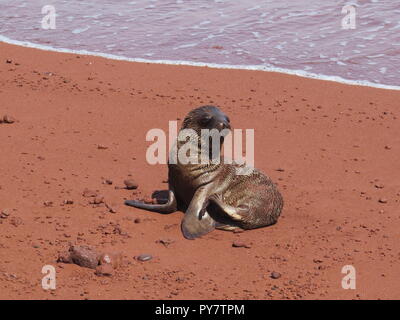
{"x":206,"y":117}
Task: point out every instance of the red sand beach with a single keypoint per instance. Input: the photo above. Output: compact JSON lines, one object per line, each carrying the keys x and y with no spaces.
{"x":333,"y":149}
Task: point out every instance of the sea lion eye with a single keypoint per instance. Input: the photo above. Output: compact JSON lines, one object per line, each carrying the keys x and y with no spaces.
{"x":205,"y":120}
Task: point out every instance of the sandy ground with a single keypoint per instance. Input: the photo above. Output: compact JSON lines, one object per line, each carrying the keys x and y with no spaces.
{"x":333,"y":149}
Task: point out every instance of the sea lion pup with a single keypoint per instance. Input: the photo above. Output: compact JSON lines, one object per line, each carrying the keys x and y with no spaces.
{"x":210,"y":192}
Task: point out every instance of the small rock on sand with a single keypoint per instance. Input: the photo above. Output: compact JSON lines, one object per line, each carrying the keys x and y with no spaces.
{"x":84,"y":256}
{"x":113,"y":259}
{"x":104,"y":270}
{"x":64,"y":257}
{"x":165,"y":242}
{"x":8,"y":119}
{"x":98,"y":200}
{"x":113,"y":208}
{"x":87,"y":193}
{"x":131,"y":184}
{"x":275,"y":275}
{"x":144,"y":257}
{"x":48,"y":203}
{"x":16,"y":221}
{"x":149,"y":200}
{"x":383,"y":200}
{"x":239,"y":244}
{"x":4,"y":214}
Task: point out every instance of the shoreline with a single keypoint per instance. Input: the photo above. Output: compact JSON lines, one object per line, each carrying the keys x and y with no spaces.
{"x":333,"y":150}
{"x":299,"y":73}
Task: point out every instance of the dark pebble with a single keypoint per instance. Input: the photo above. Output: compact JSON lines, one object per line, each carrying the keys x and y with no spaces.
{"x":275,"y":275}
{"x":131,"y":184}
{"x":239,"y":244}
{"x":144,"y":257}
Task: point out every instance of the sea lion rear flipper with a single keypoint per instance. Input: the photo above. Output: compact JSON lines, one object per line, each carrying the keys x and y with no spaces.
{"x":193,"y":227}
{"x":169,"y":207}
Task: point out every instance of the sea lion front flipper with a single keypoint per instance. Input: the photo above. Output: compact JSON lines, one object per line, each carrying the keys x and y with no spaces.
{"x":169,"y":207}
{"x":197,"y":222}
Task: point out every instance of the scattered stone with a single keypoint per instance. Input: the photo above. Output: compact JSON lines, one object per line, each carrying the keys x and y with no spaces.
{"x":5,"y":213}
{"x":64,"y":257}
{"x":239,"y":244}
{"x":68,"y":202}
{"x":8,"y":61}
{"x":280,"y":170}
{"x":137,"y":220}
{"x":102,"y":147}
{"x":144,"y":257}
{"x":383,"y":200}
{"x":87,"y":193}
{"x":118,"y":230}
{"x":388,"y":147}
{"x":48,"y":203}
{"x":84,"y":256}
{"x":104,"y":270}
{"x":165,"y":242}
{"x":113,"y":259}
{"x":107,"y":181}
{"x":112,"y":207}
{"x":16,"y":221}
{"x":149,"y":200}
{"x":379,"y":186}
{"x":98,"y":200}
{"x":130,"y":184}
{"x":8,"y":119}
{"x":275,"y":275}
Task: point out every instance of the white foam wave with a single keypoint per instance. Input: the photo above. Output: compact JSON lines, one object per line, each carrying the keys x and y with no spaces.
{"x":300,"y":73}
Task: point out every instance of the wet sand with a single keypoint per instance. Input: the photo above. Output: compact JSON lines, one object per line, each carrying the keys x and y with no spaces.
{"x":333,"y":149}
